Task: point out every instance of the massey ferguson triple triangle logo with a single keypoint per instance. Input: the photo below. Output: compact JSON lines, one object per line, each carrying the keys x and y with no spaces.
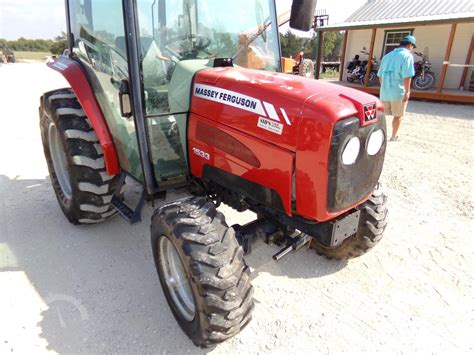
{"x":370,"y":112}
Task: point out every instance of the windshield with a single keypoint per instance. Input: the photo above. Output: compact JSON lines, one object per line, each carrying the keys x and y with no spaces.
{"x":177,"y":38}
{"x":244,"y":30}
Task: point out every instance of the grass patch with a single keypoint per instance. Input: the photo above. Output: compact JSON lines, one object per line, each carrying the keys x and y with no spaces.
{"x":329,"y":74}
{"x":39,"y":56}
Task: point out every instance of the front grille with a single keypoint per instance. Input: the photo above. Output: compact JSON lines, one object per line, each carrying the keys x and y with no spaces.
{"x":348,"y":184}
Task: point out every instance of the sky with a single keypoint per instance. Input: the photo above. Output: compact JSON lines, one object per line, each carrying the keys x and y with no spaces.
{"x":46,"y":18}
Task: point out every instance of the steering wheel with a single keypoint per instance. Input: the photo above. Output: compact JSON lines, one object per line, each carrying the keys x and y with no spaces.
{"x":200,"y":44}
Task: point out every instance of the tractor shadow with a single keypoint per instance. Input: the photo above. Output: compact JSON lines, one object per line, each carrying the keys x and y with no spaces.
{"x":95,"y":287}
{"x":303,"y":264}
{"x":97,"y":284}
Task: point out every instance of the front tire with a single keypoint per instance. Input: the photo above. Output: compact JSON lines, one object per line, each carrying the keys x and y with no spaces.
{"x":209,"y":291}
{"x":372,"y":79}
{"x":75,"y":160}
{"x":372,"y":223}
{"x":424,"y":82}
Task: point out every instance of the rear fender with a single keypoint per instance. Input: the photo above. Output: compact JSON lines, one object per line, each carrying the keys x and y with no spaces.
{"x":76,"y":77}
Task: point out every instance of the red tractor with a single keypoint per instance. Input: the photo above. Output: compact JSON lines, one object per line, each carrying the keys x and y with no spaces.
{"x":159,"y":94}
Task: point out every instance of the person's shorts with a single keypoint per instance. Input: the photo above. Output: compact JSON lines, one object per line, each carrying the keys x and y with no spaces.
{"x":395,"y":108}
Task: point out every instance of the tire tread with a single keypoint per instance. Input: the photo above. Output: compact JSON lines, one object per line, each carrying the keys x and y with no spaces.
{"x":89,"y":180}
{"x":217,"y":264}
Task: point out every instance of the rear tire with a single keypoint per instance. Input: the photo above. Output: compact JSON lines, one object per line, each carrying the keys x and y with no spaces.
{"x":75,"y":160}
{"x":372,"y":223}
{"x":217,"y":278}
{"x":306,"y":68}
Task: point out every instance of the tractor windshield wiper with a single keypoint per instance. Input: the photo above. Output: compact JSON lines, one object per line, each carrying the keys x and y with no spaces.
{"x":253,"y":38}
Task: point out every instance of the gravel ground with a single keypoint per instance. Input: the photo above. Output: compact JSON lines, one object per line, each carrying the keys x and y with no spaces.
{"x":93,"y":289}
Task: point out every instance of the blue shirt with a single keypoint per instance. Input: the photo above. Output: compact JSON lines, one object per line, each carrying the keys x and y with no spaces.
{"x":396,"y":66}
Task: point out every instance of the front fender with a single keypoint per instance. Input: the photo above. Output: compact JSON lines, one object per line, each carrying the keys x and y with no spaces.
{"x":76,"y":77}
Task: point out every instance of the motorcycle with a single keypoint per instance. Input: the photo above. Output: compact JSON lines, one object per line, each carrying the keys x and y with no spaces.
{"x":424,"y":78}
{"x":353,"y":69}
{"x":356,"y":70}
{"x":373,"y":70}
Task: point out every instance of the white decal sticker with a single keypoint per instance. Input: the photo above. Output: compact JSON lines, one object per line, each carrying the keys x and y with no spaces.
{"x":286,"y":116}
{"x":60,"y":66}
{"x":201,"y":154}
{"x":230,"y":98}
{"x":271,"y":111}
{"x":269,"y":125}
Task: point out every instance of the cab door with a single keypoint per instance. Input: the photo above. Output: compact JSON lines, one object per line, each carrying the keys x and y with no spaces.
{"x":98,"y":30}
{"x":166,"y":83}
{"x":114,"y":50}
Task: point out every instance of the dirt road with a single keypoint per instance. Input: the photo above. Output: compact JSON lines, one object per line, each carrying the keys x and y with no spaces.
{"x":93,"y":289}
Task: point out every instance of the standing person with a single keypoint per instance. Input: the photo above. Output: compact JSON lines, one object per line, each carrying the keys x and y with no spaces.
{"x":395,"y":73}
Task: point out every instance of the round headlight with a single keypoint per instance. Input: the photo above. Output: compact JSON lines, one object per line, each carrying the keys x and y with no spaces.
{"x":376,"y":140}
{"x":351,"y":151}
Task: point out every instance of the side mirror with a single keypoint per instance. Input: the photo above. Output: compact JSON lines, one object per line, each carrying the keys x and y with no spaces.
{"x":302,"y":14}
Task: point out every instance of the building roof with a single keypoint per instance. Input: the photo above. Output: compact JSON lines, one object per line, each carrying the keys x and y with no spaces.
{"x":392,"y":12}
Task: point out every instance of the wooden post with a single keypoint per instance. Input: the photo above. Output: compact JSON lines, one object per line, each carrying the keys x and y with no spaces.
{"x":343,"y":57}
{"x":447,"y":55}
{"x":371,"y":54}
{"x":320,"y":50}
{"x":468,"y":61}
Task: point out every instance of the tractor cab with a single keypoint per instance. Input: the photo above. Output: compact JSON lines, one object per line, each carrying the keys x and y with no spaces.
{"x":152,"y":68}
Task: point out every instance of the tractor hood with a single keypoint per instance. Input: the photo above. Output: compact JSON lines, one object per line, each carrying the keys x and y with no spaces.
{"x":272,"y":106}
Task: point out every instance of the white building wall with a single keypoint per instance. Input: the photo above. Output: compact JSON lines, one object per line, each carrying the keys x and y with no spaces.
{"x":431,"y":40}
{"x":461,"y":43}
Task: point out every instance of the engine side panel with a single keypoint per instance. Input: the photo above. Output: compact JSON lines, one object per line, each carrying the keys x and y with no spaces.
{"x":227,"y":149}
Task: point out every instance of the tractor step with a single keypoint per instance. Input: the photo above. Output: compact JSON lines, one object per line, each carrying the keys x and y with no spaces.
{"x":123,"y":210}
{"x":132,"y":216}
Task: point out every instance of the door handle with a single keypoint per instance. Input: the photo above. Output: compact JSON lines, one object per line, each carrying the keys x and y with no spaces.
{"x":124,"y":98}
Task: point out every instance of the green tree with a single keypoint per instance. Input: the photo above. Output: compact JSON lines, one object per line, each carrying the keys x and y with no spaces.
{"x":333,"y":46}
{"x":59,"y":44}
{"x":23,"y":44}
{"x":61,"y":37}
{"x":55,"y":46}
{"x":58,"y":47}
{"x":329,"y":42}
{"x":291,"y":44}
